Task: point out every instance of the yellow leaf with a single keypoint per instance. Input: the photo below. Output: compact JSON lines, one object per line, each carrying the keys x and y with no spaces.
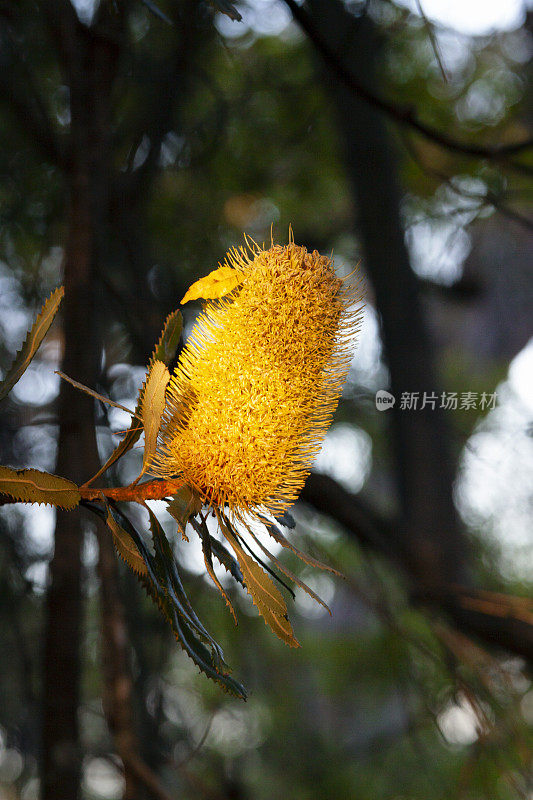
{"x":34,"y":486}
{"x":218,"y":283}
{"x":125,"y":546}
{"x":33,"y":340}
{"x":286,"y":571}
{"x":265,"y":596}
{"x":153,"y":405}
{"x":164,"y":351}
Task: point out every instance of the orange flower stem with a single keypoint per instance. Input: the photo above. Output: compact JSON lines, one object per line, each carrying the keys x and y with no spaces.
{"x":151,"y":490}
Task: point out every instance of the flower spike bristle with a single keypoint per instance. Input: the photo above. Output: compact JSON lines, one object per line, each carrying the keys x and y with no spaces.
{"x":259,"y":379}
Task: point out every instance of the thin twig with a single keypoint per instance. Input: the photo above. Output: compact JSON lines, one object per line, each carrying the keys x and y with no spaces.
{"x":433,"y":39}
{"x":94,"y":394}
{"x":404,"y":115}
{"x":146,"y":776}
{"x":488,"y":199}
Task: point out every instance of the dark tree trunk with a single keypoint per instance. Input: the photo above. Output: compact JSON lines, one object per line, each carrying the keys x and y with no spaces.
{"x":426,"y":541}
{"x":100,"y":200}
{"x":88,"y":66}
{"x":77,"y":457}
{"x":431,"y":537}
{"x":117,"y":680}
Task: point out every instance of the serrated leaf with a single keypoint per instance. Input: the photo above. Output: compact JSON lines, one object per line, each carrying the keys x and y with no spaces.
{"x":265,"y":566}
{"x":277,"y":535}
{"x":152,"y":407}
{"x":227,"y":8}
{"x":34,"y":486}
{"x":32,"y":342}
{"x":188,"y":629}
{"x":218,"y":283}
{"x":159,"y":584}
{"x":166,"y":348}
{"x":265,"y":596}
{"x":226,"y":559}
{"x":286,"y":571}
{"x":168,"y":572}
{"x":137,"y":539}
{"x":186,"y":503}
{"x":203,"y":659}
{"x":205,"y":538}
{"x":164,"y":351}
{"x":124,"y":544}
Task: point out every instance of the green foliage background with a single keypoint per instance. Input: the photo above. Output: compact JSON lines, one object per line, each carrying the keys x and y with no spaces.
{"x":360,"y":710}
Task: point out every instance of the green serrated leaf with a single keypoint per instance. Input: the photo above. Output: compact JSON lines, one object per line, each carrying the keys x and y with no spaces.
{"x":158,"y":587}
{"x":186,"y":503}
{"x":124,"y":544}
{"x":34,"y":486}
{"x":168,"y":573}
{"x":226,"y":559}
{"x":32,"y":342}
{"x":227,"y":8}
{"x":152,"y":407}
{"x":164,"y":351}
{"x":264,"y":594}
{"x":203,"y":659}
{"x":205,"y":538}
{"x":188,"y":629}
{"x":166,"y":347}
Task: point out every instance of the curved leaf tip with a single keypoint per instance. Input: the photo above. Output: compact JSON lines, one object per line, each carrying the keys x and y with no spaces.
{"x":33,"y":341}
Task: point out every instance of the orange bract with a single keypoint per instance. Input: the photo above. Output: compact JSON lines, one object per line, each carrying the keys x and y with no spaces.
{"x":259,"y":380}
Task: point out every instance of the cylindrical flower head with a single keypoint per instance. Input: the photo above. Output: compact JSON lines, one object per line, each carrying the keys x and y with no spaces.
{"x":259,"y":380}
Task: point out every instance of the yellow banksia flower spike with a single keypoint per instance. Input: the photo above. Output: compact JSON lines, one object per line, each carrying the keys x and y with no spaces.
{"x":259,"y":378}
{"x":251,"y":399}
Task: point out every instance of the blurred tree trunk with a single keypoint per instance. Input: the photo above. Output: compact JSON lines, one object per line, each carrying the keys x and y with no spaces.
{"x":117,"y":680}
{"x":88,"y":64}
{"x":430,"y":535}
{"x":103,"y":200}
